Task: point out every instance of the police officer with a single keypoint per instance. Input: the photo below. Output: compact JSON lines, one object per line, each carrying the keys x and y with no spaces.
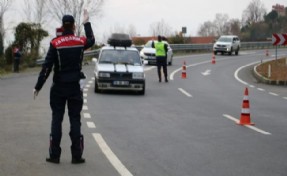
{"x":66,"y":55}
{"x":161,"y":57}
{"x":17,"y":55}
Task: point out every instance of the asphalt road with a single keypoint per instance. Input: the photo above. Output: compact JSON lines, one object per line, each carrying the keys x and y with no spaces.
{"x":182,"y":128}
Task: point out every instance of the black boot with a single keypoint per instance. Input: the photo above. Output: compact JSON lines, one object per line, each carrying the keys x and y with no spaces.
{"x":78,"y":161}
{"x":53,"y":160}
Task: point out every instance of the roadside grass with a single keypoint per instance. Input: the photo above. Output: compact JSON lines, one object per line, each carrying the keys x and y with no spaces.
{"x":274,"y":70}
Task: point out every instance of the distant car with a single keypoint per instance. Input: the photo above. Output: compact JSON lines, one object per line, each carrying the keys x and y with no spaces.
{"x":227,"y":44}
{"x":148,"y":53}
{"x":119,"y":66}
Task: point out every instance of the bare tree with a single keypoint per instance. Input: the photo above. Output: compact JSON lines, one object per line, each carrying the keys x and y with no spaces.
{"x":4,"y":6}
{"x":221,"y":24}
{"x":235,"y":27}
{"x":254,"y":12}
{"x":160,"y":28}
{"x":35,"y":11}
{"x":132,"y":31}
{"x":58,"y":8}
{"x":207,"y":29}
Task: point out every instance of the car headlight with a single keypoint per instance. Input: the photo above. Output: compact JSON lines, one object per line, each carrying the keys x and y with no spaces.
{"x":104,"y":75}
{"x":138,"y":75}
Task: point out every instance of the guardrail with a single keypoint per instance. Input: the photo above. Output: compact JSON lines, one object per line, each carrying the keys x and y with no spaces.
{"x":195,"y":47}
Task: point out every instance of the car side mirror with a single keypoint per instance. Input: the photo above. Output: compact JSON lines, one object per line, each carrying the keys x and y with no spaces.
{"x":145,"y":62}
{"x":95,"y":60}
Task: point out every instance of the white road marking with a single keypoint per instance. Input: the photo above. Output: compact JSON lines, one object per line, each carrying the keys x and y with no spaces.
{"x":248,"y":126}
{"x":85,"y":100}
{"x":285,"y":98}
{"x":207,"y":72}
{"x":149,"y":68}
{"x":93,"y":78}
{"x":184,"y":92}
{"x":90,"y":82}
{"x":85,"y":95}
{"x":85,"y":107}
{"x":87,"y":115}
{"x":251,"y":86}
{"x":88,"y":85}
{"x":86,"y":90}
{"x":237,"y":71}
{"x":260,"y":89}
{"x":114,"y":160}
{"x":271,"y":93}
{"x":91,"y":125}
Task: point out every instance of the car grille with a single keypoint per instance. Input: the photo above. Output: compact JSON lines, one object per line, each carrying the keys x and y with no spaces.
{"x":221,"y":46}
{"x":149,"y":54}
{"x":121,"y":75}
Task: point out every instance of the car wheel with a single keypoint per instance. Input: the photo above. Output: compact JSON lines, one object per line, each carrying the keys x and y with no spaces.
{"x":231,"y":50}
{"x":237,"y":51}
{"x":97,"y":90}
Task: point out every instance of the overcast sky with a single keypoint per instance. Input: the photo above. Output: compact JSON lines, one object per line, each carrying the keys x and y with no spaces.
{"x":176,"y":13}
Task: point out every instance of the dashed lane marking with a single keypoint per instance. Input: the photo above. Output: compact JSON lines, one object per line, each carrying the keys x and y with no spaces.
{"x":90,"y":82}
{"x":86,"y":90}
{"x":260,"y":89}
{"x":88,"y":85}
{"x":184,"y":92}
{"x":248,"y":126}
{"x":114,"y":160}
{"x":91,"y":125}
{"x":274,"y":94}
{"x":87,"y":115}
{"x":117,"y":164}
{"x":285,"y":98}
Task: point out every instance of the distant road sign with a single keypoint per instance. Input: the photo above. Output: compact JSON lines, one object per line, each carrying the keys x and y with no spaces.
{"x":279,"y":39}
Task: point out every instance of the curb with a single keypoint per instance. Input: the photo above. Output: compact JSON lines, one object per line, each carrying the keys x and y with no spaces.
{"x":265,"y":80}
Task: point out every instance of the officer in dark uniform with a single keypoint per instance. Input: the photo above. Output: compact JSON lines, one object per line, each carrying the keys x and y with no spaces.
{"x":66,"y":55}
{"x":161,"y":57}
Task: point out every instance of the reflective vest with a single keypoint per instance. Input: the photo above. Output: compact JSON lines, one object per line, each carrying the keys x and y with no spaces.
{"x":159,"y":49}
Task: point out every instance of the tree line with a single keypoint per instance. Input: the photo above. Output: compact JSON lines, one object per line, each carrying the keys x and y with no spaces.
{"x":256,"y":24}
{"x":37,"y":15}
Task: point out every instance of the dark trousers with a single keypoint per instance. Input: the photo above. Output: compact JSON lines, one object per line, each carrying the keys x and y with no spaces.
{"x":61,"y":94}
{"x":161,"y":62}
{"x":16,"y":64}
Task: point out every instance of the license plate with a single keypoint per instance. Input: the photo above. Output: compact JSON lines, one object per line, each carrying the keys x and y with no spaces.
{"x":121,"y":83}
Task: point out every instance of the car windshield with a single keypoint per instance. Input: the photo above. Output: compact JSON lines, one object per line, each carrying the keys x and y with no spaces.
{"x":120,"y":57}
{"x":225,"y":39}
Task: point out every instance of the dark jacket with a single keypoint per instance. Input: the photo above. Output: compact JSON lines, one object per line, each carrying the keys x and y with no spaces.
{"x":66,"y":55}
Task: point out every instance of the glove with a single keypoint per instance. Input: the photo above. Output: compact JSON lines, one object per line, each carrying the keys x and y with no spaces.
{"x":82,"y":83}
{"x":35,"y":92}
{"x":86,"y":16}
{"x":82,"y":80}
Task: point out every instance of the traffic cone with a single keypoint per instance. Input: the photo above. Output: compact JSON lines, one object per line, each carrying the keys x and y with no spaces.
{"x":213,"y":59}
{"x":183,"y":73}
{"x":267,"y":52}
{"x":245,"y":112}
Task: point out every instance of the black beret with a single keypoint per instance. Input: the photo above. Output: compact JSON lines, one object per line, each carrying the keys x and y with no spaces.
{"x":67,"y":19}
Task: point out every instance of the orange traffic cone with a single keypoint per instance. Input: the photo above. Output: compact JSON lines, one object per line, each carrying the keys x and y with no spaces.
{"x":267,"y":52}
{"x":213,"y":59}
{"x":183,"y":73}
{"x":245,"y":112}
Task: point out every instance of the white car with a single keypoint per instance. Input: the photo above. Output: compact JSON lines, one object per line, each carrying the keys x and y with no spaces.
{"x":148,"y":53}
{"x":227,"y":44}
{"x":119,"y":67}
